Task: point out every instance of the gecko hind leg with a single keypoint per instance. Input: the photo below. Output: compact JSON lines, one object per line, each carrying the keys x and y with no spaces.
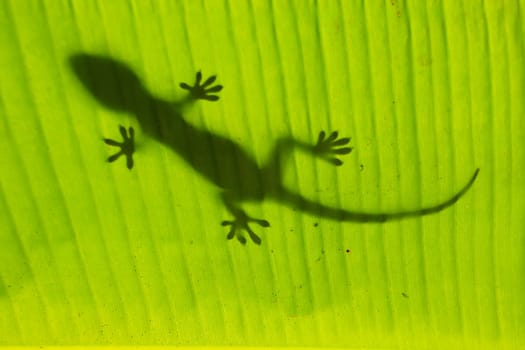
{"x":327,"y":148}
{"x":241,"y":223}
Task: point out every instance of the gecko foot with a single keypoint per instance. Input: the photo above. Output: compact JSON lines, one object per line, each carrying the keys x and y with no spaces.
{"x":203,"y":91}
{"x":127,"y":146}
{"x":241,"y":224}
{"x":330,"y":146}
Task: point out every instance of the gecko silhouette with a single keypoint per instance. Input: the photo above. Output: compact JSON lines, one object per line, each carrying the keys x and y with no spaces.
{"x":219,"y":159}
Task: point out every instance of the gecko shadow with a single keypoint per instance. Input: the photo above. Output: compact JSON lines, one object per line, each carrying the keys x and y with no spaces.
{"x":220,"y":160}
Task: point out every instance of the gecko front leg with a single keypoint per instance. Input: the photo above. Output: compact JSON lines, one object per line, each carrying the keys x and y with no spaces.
{"x":203,"y":91}
{"x":127,"y":146}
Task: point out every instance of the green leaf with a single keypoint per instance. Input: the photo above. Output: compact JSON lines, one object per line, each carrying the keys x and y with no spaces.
{"x":94,"y":253}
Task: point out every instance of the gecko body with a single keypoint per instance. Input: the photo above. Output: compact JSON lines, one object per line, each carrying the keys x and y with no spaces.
{"x":219,"y":159}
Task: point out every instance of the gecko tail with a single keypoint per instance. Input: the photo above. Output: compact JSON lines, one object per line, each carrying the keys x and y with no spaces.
{"x":338,"y":214}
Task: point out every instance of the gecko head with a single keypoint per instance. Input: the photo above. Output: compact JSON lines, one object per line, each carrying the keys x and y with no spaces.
{"x":111,"y":82}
